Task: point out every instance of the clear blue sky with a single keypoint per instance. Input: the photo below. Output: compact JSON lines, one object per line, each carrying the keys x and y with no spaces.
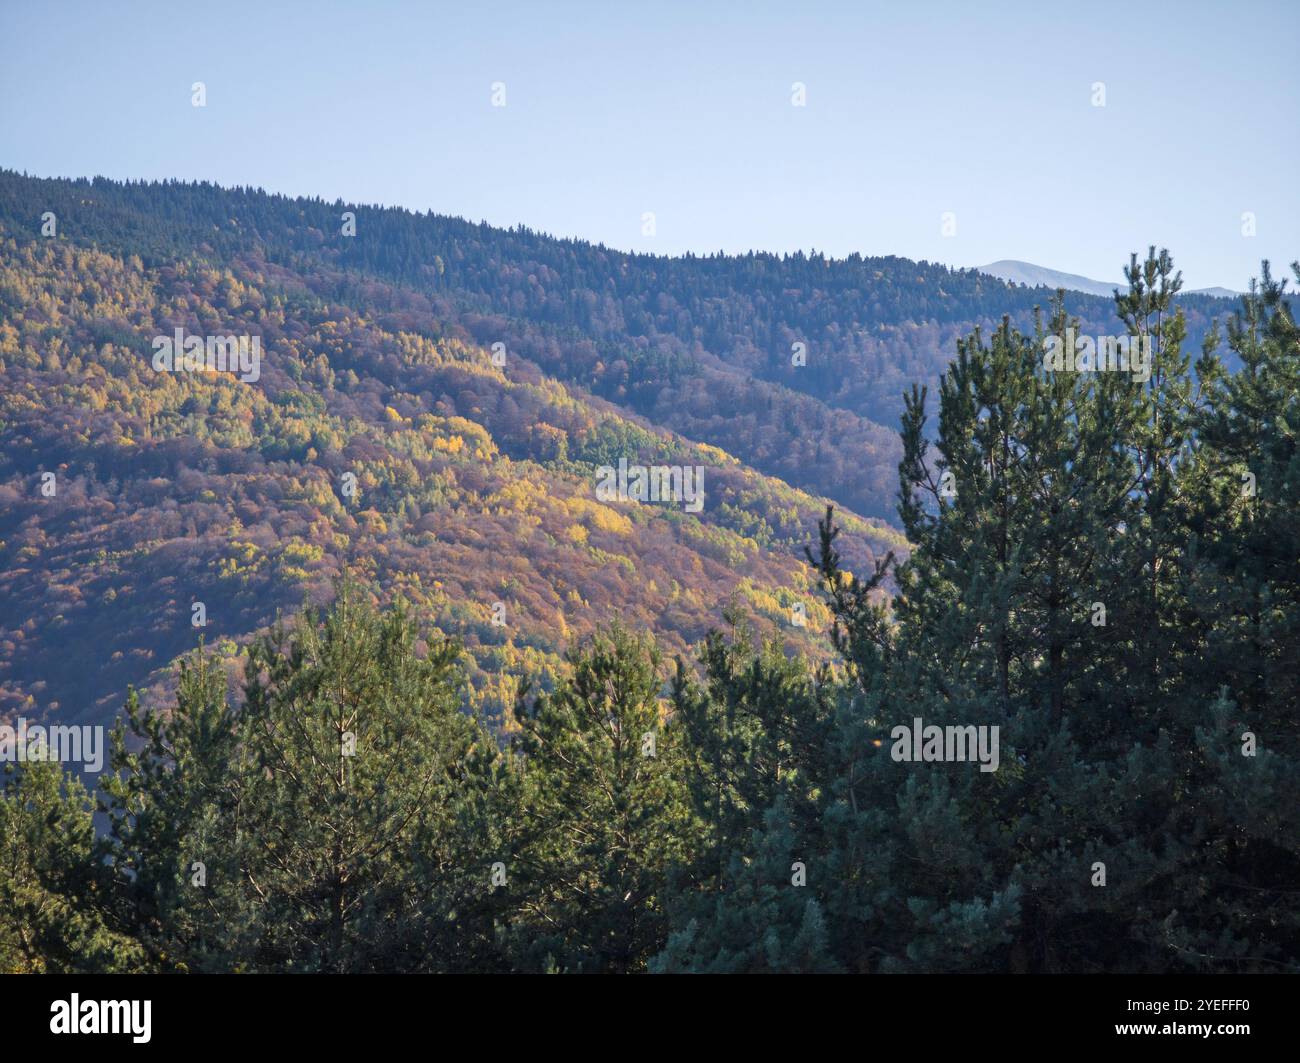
{"x":683,"y":109}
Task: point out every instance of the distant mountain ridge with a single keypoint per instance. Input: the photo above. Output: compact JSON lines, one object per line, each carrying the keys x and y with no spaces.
{"x":1017,"y":272}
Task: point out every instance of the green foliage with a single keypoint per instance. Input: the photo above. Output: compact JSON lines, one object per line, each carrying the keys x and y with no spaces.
{"x":605,"y":811}
{"x":749,"y":815}
{"x":345,"y":818}
{"x":50,"y":882}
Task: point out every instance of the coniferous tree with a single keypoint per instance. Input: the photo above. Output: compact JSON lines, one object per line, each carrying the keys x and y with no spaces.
{"x":345,"y":817}
{"x":366,"y":793}
{"x":170,"y":799}
{"x":1240,"y":491}
{"x":50,"y":880}
{"x":605,"y":813}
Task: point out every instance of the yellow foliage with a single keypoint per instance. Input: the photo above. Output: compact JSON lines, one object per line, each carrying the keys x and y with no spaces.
{"x":716,"y":455}
{"x":597,"y":516}
{"x":373,"y":522}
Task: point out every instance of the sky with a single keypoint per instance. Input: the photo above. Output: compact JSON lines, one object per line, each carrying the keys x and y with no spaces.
{"x":960,"y":133}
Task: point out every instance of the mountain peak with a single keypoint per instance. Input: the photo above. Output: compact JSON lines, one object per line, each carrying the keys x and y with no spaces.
{"x":1010,"y":269}
{"x":1017,"y":272}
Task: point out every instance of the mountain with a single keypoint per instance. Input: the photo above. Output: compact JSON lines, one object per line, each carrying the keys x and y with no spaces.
{"x":434,"y":404}
{"x":1026,"y":273}
{"x":1217,"y":293}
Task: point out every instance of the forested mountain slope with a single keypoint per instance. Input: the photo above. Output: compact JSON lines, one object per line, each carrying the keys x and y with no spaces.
{"x":703,"y":346}
{"x":474,"y":480}
{"x":474,"y":484}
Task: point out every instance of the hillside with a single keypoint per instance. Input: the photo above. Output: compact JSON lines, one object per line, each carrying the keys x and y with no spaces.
{"x":475,"y":480}
{"x":474,"y":486}
{"x":703,"y":346}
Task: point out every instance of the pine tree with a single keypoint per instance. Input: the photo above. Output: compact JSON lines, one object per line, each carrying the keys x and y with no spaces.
{"x":604,"y":807}
{"x":1240,"y":491}
{"x":364,"y":799}
{"x":345,"y":817}
{"x":762,"y":738}
{"x":50,"y":880}
{"x":170,"y":801}
{"x":1084,"y":575}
